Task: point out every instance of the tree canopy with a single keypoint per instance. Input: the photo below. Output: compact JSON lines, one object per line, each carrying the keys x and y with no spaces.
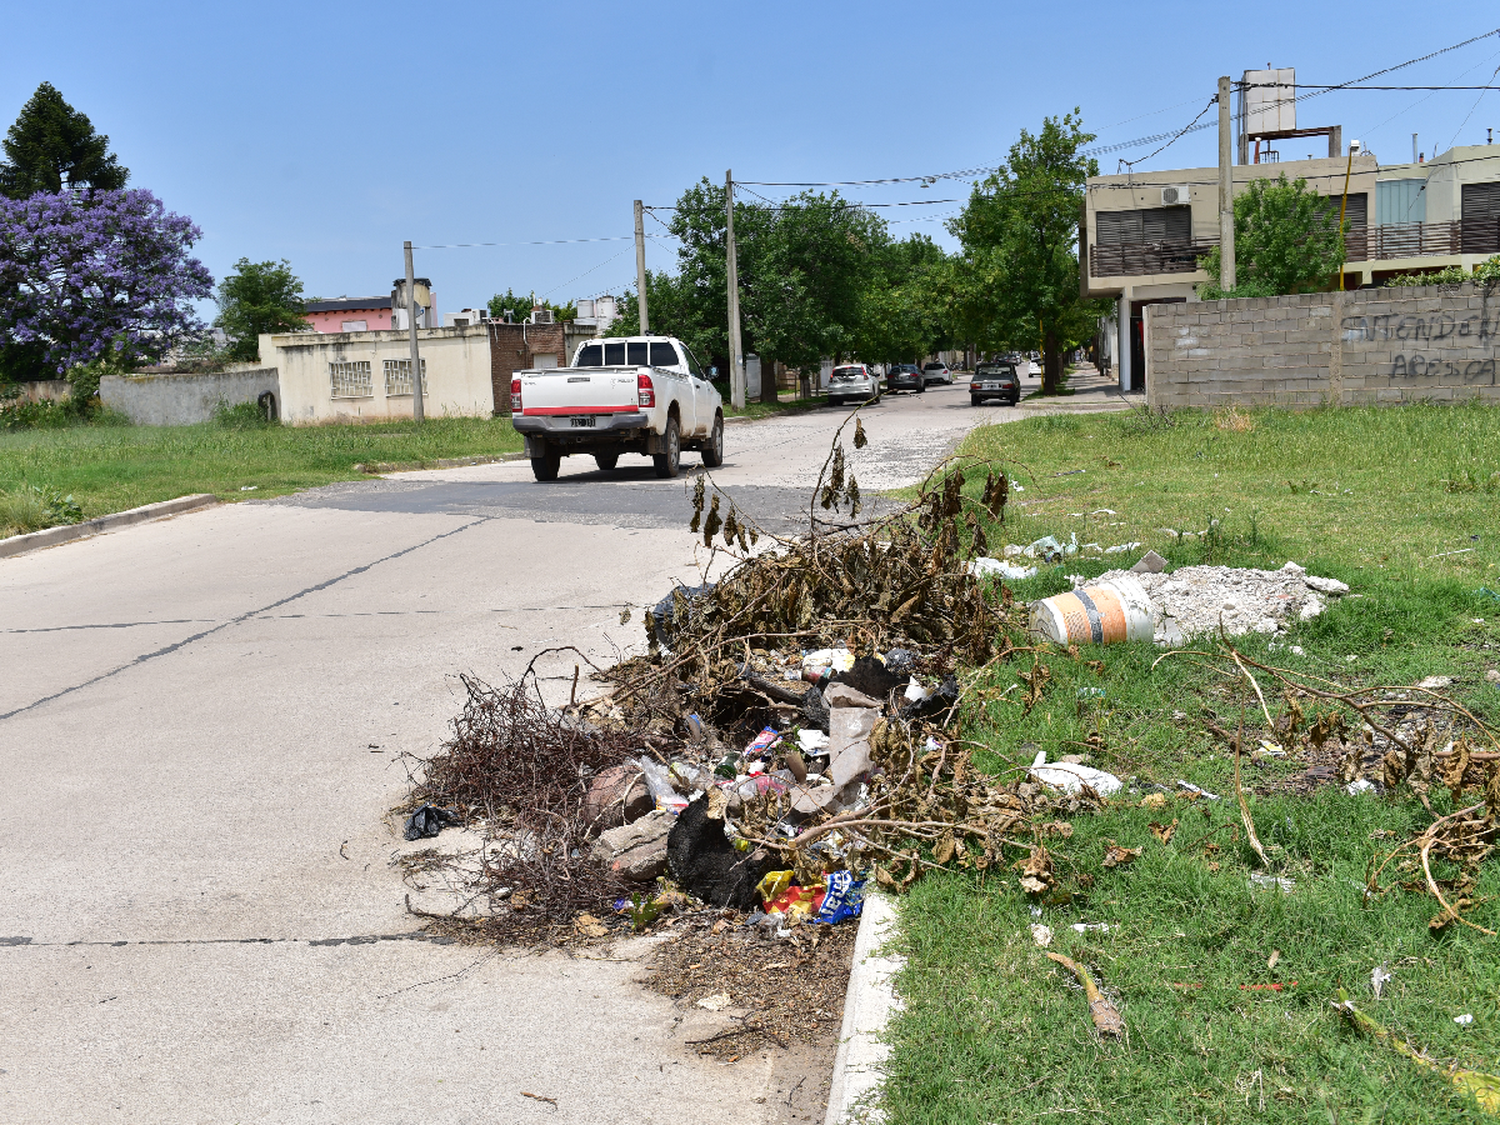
{"x":52,"y":147}
{"x":521,"y":307}
{"x":107,"y":276}
{"x":1286,"y":240}
{"x":1016,"y":284}
{"x":259,"y":297}
{"x":819,"y":277}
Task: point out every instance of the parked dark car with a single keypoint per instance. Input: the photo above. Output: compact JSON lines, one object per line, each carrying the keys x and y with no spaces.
{"x":905,"y":377}
{"x":995,"y":380}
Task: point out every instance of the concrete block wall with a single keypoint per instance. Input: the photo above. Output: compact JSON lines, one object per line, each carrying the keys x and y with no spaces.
{"x":1426,"y":343}
{"x":171,"y":399}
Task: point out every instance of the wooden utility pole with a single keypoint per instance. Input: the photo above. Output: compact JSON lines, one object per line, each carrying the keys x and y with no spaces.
{"x":736,"y":360}
{"x":411,"y":334}
{"x":1226,"y":189}
{"x":640,"y":266}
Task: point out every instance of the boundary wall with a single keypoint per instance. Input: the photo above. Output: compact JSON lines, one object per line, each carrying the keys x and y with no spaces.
{"x":1431,"y":343}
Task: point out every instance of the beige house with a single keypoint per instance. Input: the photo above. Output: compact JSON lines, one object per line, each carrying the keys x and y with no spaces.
{"x":1142,"y":234}
{"x":341,"y":376}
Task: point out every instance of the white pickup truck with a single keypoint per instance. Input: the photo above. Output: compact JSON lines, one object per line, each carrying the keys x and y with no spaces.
{"x":626,"y":394}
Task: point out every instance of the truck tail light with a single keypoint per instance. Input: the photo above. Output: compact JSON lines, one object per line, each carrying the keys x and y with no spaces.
{"x":645,"y":392}
{"x":515,"y":396}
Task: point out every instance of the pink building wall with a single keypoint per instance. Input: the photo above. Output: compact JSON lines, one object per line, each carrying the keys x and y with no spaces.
{"x":375,"y":319}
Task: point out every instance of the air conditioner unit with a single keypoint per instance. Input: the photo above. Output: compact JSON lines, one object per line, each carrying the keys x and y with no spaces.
{"x":1176,"y":196}
{"x":541,"y":316}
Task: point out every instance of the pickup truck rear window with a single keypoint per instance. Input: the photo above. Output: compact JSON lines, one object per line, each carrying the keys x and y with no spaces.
{"x":663,"y":354}
{"x":614,"y":355}
{"x":639,"y":355}
{"x":591,"y":355}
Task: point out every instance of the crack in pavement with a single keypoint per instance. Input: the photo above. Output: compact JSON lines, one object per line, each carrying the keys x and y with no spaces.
{"x":169,"y":649}
{"x":311,"y":616}
{"x":358,"y":939}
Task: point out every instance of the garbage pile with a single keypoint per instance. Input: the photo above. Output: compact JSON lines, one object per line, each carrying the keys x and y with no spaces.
{"x":787,"y":742}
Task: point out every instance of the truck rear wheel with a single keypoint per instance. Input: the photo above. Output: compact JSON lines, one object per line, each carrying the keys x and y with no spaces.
{"x":667,"y":462}
{"x":713,"y":451}
{"x":606,"y":461}
{"x":545,"y":467}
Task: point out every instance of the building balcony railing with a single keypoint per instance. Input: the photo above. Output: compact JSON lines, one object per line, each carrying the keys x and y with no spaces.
{"x":1423,"y":240}
{"x":1124,"y":259}
{"x":1390,"y":242}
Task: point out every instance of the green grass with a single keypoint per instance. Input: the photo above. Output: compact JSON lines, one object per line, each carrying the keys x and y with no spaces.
{"x":108,"y":468}
{"x":992,"y":1030}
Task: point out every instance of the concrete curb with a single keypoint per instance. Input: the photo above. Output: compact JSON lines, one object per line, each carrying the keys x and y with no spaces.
{"x":52,"y":536}
{"x":375,"y":468}
{"x":859,"y":1066}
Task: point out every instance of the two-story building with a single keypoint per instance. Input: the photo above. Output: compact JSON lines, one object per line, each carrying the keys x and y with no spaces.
{"x":1142,"y":234}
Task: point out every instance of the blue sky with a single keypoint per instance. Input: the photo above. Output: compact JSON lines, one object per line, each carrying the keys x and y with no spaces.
{"x":328,"y":133}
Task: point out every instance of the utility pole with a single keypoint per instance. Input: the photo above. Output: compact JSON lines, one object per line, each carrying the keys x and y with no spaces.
{"x":640,"y":266}
{"x":736,"y":360}
{"x":411,"y":334}
{"x":1226,"y":190}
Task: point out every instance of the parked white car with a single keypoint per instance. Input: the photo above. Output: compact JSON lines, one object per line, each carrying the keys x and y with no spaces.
{"x":937,"y":373}
{"x":627,"y":394}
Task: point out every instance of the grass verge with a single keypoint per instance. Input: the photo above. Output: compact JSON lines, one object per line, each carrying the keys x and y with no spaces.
{"x":110,"y":468}
{"x":1399,"y":503}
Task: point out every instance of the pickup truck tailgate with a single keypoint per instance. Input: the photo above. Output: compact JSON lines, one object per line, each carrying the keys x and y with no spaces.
{"x":579,"y":390}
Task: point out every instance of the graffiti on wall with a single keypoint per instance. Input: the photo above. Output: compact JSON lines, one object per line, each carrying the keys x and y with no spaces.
{"x":1456,"y":349}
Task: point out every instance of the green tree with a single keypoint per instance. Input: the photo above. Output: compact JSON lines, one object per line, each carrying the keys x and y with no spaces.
{"x":1286,"y":240}
{"x":805,"y":266}
{"x":52,"y":146}
{"x":905,"y":312}
{"x":521,"y":307}
{"x":259,"y":297}
{"x":1016,"y":285}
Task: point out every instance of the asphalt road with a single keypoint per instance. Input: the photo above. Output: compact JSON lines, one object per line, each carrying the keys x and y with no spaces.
{"x":203,"y":723}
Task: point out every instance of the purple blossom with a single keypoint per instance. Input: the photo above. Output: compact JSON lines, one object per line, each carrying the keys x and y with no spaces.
{"x":89,"y":272}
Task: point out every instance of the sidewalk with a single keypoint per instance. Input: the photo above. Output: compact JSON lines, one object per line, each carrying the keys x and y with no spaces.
{"x":1090,"y":391}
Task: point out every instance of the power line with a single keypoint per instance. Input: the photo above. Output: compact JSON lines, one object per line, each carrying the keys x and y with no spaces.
{"x":1354,"y":89}
{"x":541,"y":242}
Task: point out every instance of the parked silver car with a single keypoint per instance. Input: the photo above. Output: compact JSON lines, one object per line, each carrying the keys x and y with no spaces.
{"x":853,"y":382}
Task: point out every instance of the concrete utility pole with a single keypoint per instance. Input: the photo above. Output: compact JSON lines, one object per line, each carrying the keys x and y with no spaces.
{"x":1226,"y":190}
{"x":736,"y":360}
{"x":640,"y":266}
{"x":411,"y":333}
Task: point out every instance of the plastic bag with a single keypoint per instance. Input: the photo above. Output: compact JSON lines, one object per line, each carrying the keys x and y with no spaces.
{"x":429,"y":820}
{"x":843,"y":897}
{"x":659,"y":781}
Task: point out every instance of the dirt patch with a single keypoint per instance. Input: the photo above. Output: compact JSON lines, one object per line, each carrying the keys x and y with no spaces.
{"x":777,"y":992}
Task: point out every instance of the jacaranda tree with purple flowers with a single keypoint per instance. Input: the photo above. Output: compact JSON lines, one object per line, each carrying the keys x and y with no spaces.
{"x":88,"y":275}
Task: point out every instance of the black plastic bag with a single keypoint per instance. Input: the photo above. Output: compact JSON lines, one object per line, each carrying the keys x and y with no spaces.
{"x":429,"y":820}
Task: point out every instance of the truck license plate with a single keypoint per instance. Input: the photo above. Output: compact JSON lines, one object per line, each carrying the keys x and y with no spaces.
{"x":583,"y":421}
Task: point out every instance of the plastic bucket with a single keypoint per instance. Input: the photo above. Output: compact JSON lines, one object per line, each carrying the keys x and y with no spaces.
{"x":1109,"y":613}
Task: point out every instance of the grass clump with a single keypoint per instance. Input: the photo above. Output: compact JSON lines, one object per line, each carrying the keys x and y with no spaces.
{"x":28,"y":508}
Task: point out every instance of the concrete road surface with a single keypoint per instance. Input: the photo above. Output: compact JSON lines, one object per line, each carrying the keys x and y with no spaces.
{"x":202,"y":723}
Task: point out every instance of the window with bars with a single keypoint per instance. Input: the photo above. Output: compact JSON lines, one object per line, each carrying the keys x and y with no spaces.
{"x":398,"y":377}
{"x":350,"y":379}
